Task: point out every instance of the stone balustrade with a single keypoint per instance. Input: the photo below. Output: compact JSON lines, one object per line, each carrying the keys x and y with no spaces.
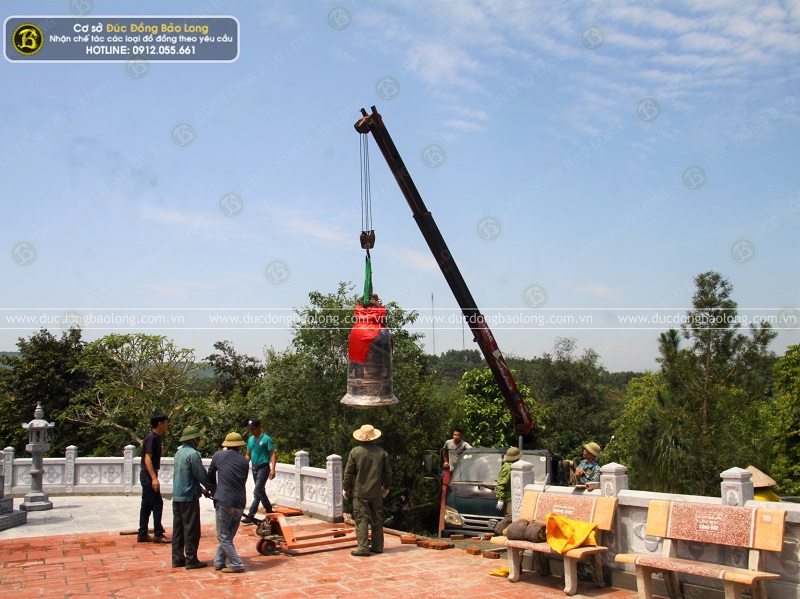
{"x":318,"y":492}
{"x":629,"y":531}
{"x":315,"y":491}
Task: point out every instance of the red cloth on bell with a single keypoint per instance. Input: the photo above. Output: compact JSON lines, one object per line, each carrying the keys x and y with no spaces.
{"x":368,"y":323}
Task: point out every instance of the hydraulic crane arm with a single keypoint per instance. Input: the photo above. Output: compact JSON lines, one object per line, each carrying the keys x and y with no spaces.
{"x":523,"y":422}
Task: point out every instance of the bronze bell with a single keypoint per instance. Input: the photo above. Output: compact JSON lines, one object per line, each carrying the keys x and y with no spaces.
{"x":369,"y":371}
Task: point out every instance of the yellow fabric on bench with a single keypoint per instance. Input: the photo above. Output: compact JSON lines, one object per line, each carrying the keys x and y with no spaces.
{"x":564,"y":533}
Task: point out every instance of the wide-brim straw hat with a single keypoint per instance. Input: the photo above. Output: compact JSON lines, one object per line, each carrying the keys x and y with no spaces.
{"x":593,"y":448}
{"x":189,"y":433}
{"x":512,"y":455}
{"x":759,"y":479}
{"x":366,"y":433}
{"x":233,"y":440}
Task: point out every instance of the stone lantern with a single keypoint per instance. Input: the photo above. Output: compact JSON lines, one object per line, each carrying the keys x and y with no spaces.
{"x":37,"y":500}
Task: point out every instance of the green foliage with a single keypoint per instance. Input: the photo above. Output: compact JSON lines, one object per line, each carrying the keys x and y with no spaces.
{"x":786,"y":467}
{"x":298,"y":398}
{"x":132,"y":377}
{"x":43,"y":371}
{"x":233,"y":370}
{"x":575,"y":408}
{"x":481,"y":412}
{"x":640,"y":399}
{"x":11,"y":420}
{"x":452,"y":364}
{"x":708,"y":415}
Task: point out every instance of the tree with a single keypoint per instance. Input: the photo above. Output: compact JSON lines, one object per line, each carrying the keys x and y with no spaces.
{"x":706,"y":419}
{"x":786,"y":467}
{"x":453,"y":363}
{"x":43,"y":371}
{"x":482,"y":413}
{"x":234,"y":370}
{"x":298,"y":398}
{"x":575,"y":408}
{"x":134,"y":376}
{"x":640,"y":397}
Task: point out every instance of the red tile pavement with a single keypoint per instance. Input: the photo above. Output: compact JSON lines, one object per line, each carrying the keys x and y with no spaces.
{"x":111,"y":565}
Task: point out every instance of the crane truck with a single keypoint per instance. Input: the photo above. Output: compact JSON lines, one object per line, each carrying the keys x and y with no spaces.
{"x":468,"y":498}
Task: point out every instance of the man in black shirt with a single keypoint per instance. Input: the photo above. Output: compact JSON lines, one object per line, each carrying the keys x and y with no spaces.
{"x":151,"y":487}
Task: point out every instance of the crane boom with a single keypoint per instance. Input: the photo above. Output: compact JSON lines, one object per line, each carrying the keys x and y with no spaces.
{"x":523,"y":421}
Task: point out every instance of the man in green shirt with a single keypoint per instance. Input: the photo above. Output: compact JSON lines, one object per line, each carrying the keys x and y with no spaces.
{"x":263,"y":459}
{"x":190,"y":480}
{"x":503,"y":489}
{"x":367,"y":477}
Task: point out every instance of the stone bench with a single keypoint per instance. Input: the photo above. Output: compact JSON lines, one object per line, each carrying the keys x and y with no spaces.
{"x":754,"y":530}
{"x":586,"y":508}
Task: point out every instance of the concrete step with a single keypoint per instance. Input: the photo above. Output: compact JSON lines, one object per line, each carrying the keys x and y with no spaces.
{"x":15,"y":518}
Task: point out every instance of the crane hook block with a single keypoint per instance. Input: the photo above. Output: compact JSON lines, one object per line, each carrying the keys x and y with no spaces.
{"x":367,"y":240}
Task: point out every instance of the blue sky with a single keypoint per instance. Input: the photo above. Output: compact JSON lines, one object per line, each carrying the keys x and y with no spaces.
{"x":583,"y":160}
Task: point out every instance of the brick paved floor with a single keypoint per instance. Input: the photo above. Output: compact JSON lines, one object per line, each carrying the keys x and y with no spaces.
{"x":110,"y":565}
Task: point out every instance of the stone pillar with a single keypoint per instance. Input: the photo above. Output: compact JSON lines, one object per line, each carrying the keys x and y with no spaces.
{"x":8,"y":470}
{"x":736,"y":486}
{"x":37,"y":428}
{"x":333,"y":484}
{"x":613,"y":479}
{"x":300,"y":462}
{"x":127,"y":468}
{"x":521,"y":474}
{"x":9,"y":517}
{"x":69,"y":469}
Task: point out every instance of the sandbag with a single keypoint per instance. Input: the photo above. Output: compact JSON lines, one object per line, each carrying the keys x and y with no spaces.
{"x":564,"y":533}
{"x":500,"y":529}
{"x":516,"y":530}
{"x":536,"y":532}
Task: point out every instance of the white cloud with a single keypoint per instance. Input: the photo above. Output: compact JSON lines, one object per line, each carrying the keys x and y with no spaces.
{"x":182,"y":288}
{"x":464,"y":126}
{"x":278,"y":14}
{"x":437,"y":62}
{"x":595,"y":290}
{"x":415,"y":258}
{"x":184,"y":220}
{"x":311,"y":228}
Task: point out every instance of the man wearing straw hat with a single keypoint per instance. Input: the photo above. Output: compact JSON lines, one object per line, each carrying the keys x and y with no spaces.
{"x":588,"y":471}
{"x":228,"y":474}
{"x":761,"y":485}
{"x":367,"y":477}
{"x":189,"y":475}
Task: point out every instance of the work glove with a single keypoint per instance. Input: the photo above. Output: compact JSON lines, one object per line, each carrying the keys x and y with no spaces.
{"x":500,"y":505}
{"x":344,"y":495}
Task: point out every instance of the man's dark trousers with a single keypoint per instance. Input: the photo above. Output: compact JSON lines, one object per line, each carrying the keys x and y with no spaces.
{"x":185,"y":531}
{"x":260,"y":478}
{"x":152,"y":502}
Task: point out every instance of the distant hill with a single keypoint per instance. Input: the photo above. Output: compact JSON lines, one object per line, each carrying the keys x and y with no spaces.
{"x":13,"y":354}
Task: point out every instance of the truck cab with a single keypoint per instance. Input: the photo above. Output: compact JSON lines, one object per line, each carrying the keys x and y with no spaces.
{"x":470,"y":502}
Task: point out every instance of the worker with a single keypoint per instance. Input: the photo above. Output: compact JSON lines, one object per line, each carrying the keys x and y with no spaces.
{"x":452,"y":450}
{"x":503,"y":489}
{"x":367,"y":477}
{"x":761,"y":485}
{"x":588,"y":471}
